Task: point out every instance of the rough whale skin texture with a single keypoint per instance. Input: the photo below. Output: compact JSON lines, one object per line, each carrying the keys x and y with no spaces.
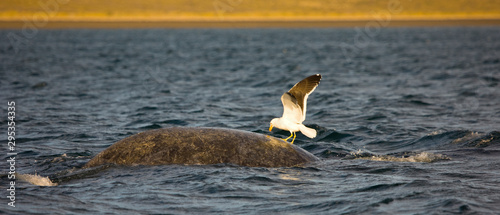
{"x":200,"y":146}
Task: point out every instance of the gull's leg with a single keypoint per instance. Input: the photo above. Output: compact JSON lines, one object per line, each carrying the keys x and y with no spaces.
{"x":294,"y":136}
{"x":291,"y":134}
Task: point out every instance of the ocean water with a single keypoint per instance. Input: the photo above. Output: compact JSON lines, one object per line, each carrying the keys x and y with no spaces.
{"x":408,"y":119}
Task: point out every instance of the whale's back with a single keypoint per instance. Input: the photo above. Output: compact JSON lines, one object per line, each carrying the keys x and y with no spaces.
{"x":193,"y":146}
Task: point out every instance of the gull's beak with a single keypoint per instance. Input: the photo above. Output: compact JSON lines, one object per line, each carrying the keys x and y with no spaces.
{"x":270,"y":127}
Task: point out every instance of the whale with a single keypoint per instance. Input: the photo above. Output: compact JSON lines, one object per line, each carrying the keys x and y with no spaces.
{"x":202,"y":146}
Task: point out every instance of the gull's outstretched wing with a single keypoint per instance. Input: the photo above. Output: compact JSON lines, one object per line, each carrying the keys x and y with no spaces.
{"x":300,"y":92}
{"x":291,"y":109}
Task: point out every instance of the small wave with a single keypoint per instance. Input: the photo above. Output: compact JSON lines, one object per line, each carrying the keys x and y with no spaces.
{"x":477,"y":139}
{"x":468,"y":137}
{"x":489,"y":139}
{"x":332,"y":136}
{"x":176,"y":122}
{"x":423,"y":157}
{"x":146,"y":108}
{"x":260,"y":180}
{"x":439,"y":139}
{"x":36,"y":179}
{"x":377,"y":188}
{"x":151,"y":126}
{"x":419,"y":102}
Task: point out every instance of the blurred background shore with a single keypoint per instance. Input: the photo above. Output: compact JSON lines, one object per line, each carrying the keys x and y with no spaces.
{"x":245,"y":13}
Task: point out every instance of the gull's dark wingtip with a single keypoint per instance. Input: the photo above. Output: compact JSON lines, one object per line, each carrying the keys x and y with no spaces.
{"x":307,"y":85}
{"x":314,"y":79}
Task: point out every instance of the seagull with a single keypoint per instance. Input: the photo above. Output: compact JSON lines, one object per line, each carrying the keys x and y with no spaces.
{"x":294,"y":108}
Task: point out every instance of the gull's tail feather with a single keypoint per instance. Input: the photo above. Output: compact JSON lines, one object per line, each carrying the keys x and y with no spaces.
{"x":309,"y":132}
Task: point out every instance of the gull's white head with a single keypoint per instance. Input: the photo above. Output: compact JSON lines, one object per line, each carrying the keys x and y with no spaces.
{"x":273,"y":123}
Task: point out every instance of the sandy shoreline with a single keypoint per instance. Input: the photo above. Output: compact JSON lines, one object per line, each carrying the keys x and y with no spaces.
{"x":246,"y":24}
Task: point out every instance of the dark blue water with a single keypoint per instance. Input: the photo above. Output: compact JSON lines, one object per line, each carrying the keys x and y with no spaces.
{"x":408,"y":119}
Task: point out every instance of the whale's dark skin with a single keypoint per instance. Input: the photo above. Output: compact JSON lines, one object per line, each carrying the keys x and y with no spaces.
{"x":198,"y":146}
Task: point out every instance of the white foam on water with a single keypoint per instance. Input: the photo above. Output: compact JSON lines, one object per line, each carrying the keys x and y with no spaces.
{"x":423,"y":157}
{"x":36,"y":179}
{"x":468,"y":137}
